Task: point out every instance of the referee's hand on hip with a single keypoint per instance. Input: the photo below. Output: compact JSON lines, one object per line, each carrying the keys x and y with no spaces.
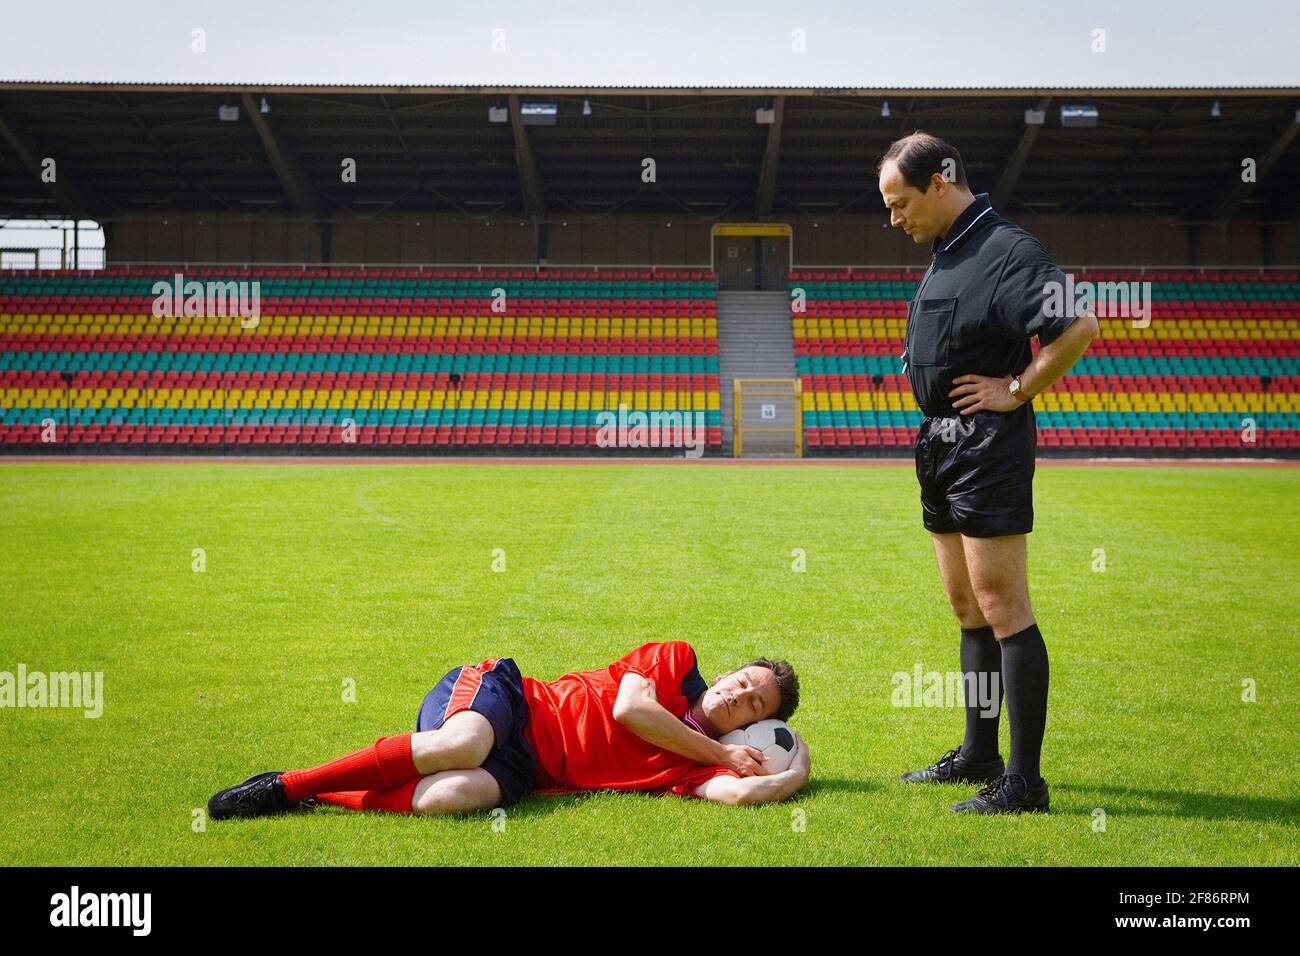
{"x":980,"y":393}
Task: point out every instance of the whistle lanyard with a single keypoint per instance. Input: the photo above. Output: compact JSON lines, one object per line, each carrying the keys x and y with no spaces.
{"x":917,"y":298}
{"x":926,"y":278}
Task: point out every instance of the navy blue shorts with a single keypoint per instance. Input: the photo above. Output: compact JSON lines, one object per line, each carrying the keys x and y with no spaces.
{"x":494,"y":689}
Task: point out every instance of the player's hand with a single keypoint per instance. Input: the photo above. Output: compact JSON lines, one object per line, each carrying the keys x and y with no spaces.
{"x":981,"y":393}
{"x":746,"y":761}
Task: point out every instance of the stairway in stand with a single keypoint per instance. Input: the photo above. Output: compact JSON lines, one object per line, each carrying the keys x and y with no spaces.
{"x":755,"y":340}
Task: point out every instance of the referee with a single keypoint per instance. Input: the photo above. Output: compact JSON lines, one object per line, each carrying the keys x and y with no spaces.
{"x":968,"y":360}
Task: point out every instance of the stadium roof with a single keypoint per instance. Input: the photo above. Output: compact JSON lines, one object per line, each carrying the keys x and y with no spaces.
{"x":126,"y":96}
{"x":132,"y":152}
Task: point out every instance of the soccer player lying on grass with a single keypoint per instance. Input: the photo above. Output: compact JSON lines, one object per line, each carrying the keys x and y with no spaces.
{"x":486,"y":736}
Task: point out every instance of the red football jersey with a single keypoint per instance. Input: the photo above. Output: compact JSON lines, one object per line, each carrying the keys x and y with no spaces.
{"x":580,"y":746}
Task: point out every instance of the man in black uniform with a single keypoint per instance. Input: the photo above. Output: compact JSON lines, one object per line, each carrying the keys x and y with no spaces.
{"x":968,"y":359}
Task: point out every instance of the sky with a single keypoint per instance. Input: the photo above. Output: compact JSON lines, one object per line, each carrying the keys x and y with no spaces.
{"x":906,"y":43}
{"x":48,"y":237}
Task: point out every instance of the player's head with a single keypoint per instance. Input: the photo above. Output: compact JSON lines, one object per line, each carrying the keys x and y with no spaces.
{"x":758,"y":690}
{"x":923,"y":184}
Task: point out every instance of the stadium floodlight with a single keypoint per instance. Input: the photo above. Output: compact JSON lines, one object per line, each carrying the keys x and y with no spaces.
{"x":1079,"y":116}
{"x":586,"y":106}
{"x":1035,"y":117}
{"x":884,"y":110}
{"x":764,"y":117}
{"x":498,"y":114}
{"x":265,"y":107}
{"x":228,"y":113}
{"x":538,"y":113}
{"x":1215,"y":110}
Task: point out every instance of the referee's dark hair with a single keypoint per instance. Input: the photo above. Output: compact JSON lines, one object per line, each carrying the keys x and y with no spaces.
{"x":919,"y":156}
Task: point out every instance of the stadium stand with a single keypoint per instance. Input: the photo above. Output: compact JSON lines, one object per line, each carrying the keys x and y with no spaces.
{"x":384,"y":359}
{"x":1222,"y":352}
{"x":416,"y":358}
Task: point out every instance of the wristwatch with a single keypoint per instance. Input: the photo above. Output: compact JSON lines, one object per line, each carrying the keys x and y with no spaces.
{"x":1016,"y":392}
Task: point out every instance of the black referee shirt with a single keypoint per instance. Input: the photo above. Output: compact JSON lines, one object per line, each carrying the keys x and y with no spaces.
{"x":977,"y":307}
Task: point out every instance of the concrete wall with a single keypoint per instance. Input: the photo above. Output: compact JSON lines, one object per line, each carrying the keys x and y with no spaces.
{"x":847,"y":239}
{"x":189,"y":238}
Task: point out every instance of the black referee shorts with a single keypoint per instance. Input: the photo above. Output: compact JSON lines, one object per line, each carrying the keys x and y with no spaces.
{"x":977,"y":473}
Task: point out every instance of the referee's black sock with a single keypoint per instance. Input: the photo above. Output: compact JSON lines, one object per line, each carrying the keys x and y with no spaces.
{"x":981,"y":656}
{"x":1024,"y":670}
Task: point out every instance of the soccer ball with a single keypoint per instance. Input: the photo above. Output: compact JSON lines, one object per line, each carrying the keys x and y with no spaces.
{"x":772,"y":737}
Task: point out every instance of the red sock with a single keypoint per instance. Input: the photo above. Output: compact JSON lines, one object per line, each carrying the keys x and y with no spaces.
{"x":384,"y":765}
{"x":396,"y":800}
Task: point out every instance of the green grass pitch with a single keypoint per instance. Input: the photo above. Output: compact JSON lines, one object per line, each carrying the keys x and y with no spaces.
{"x":322,"y":573}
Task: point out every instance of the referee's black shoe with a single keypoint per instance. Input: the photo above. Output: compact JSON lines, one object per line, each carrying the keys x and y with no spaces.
{"x":1010,"y":793}
{"x":954,"y":767}
{"x":260,"y":795}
